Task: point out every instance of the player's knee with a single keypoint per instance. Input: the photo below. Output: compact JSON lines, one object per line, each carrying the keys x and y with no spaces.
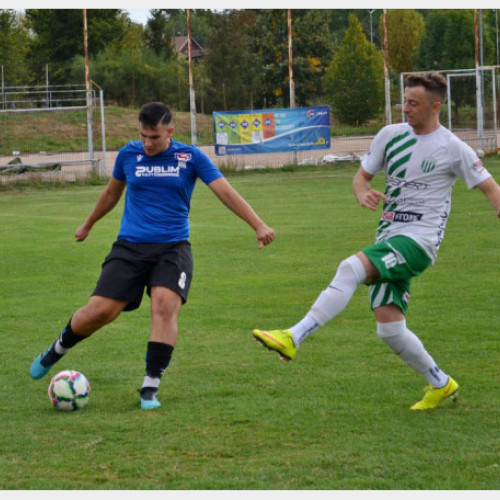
{"x":165,"y":302}
{"x":392,"y":334}
{"x":353,"y":267}
{"x":387,"y":330}
{"x":100,"y":311}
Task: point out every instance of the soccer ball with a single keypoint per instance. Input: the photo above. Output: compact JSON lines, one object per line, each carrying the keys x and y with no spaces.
{"x":69,"y":390}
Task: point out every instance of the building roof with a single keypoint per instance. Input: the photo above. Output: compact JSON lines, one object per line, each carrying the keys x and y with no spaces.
{"x":181,"y":45}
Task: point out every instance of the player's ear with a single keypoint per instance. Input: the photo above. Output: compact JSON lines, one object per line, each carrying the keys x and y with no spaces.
{"x":436,"y":106}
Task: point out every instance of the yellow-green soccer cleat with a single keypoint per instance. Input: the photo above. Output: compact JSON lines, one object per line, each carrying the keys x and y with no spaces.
{"x":277,"y":340}
{"x":434,"y":396}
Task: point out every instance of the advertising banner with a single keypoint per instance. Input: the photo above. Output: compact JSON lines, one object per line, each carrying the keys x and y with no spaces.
{"x":271,"y":130}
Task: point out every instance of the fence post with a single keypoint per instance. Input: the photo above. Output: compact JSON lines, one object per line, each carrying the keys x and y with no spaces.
{"x":103,"y":132}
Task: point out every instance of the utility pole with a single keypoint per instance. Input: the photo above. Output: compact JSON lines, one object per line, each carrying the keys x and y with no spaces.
{"x":479,"y":97}
{"x":290,"y":60}
{"x":88,"y":88}
{"x":192,"y":98}
{"x":388,"y":117}
{"x":371,"y":24}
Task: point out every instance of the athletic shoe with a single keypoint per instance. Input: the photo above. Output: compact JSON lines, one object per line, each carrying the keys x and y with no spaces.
{"x":149,"y":399}
{"x":277,"y":340}
{"x":434,"y":396}
{"x":43,"y":363}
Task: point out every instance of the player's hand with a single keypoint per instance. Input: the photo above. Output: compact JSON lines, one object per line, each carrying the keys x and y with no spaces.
{"x":265,"y":235}
{"x":372,"y":198}
{"x":81,"y":233}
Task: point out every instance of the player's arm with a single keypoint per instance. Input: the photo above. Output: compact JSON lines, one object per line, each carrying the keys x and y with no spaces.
{"x":105,"y":203}
{"x":366,"y":196}
{"x":237,"y":204}
{"x":491,"y":190}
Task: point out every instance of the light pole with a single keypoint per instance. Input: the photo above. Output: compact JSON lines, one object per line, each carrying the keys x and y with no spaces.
{"x":371,"y":24}
{"x":496,"y":31}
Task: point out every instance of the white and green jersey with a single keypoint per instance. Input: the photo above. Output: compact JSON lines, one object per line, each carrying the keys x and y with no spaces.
{"x":420,"y":173}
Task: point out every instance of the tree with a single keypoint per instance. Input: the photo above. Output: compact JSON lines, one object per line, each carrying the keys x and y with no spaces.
{"x":13,"y":49}
{"x":229,"y":63}
{"x":158,"y":34}
{"x":132,"y":76}
{"x":164,"y":24}
{"x":405,"y":28}
{"x":312,"y":51}
{"x":58,"y":37}
{"x":448,"y":42}
{"x":354,"y":79}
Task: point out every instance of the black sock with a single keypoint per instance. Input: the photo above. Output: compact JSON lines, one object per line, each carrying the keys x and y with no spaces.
{"x":69,"y":338}
{"x":158,"y":357}
{"x":66,"y":340}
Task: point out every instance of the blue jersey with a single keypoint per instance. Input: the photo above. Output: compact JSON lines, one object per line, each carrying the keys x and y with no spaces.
{"x":159,"y":190}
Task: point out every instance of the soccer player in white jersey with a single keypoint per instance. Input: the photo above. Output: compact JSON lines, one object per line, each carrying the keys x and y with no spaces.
{"x":422,"y":160}
{"x":152,"y":251}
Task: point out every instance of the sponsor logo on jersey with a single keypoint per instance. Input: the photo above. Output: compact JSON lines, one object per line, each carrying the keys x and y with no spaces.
{"x":163,"y":170}
{"x":478,"y":167}
{"x":182,"y":159}
{"x":157,"y":171}
{"x":139,"y":158}
{"x":396,"y":181}
{"x":428,"y":165}
{"x":400,"y":216}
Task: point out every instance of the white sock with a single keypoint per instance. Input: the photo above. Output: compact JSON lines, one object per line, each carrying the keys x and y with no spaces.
{"x":411,"y":350}
{"x":59,"y":348}
{"x":151,"y":382}
{"x":332,"y":301}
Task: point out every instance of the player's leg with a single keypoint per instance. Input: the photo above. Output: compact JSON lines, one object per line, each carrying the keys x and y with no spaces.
{"x":120,"y":287}
{"x":165,"y":307}
{"x":99,"y":311}
{"x":392,"y":329}
{"x":389,"y":296}
{"x":351,"y":273}
{"x":169,"y":284}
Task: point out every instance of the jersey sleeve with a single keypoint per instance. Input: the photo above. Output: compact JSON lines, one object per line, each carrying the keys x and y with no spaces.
{"x":118,"y":171}
{"x":469,"y":166}
{"x":205,"y":168}
{"x":374,"y":159}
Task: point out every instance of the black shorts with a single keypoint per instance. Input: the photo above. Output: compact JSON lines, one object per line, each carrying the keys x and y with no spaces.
{"x":131,"y":267}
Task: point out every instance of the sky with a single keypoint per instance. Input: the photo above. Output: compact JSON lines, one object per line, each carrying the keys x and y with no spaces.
{"x":139,"y":15}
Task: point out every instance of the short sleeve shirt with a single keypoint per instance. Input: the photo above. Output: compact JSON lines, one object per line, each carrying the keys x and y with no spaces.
{"x":159,"y":190}
{"x":420,"y":172}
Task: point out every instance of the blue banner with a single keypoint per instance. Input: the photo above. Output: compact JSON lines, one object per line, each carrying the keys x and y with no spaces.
{"x":271,"y":130}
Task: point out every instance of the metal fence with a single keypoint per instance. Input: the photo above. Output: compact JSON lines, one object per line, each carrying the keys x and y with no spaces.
{"x":57,"y":132}
{"x":66,"y":128}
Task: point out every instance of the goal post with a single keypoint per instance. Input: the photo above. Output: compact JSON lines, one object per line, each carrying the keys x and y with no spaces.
{"x":43,"y":125}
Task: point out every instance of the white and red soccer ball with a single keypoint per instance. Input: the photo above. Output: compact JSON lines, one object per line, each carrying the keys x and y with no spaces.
{"x":69,"y":390}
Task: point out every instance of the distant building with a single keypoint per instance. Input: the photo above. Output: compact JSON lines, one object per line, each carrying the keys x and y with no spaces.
{"x":181,"y":45}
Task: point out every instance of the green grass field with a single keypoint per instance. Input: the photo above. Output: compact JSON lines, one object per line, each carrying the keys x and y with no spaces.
{"x":234,"y":416}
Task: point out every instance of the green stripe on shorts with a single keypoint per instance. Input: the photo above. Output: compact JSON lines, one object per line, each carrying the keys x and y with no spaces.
{"x":398,"y":260}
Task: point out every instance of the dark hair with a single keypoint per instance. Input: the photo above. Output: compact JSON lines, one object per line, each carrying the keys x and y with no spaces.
{"x":432,"y":81}
{"x":153,"y":113}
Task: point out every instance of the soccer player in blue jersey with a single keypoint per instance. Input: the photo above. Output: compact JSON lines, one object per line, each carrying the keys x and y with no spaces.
{"x":421,"y":160}
{"x":152,"y":251}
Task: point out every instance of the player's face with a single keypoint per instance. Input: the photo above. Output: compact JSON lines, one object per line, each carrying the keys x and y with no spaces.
{"x":421,"y":110}
{"x":156,"y":140}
